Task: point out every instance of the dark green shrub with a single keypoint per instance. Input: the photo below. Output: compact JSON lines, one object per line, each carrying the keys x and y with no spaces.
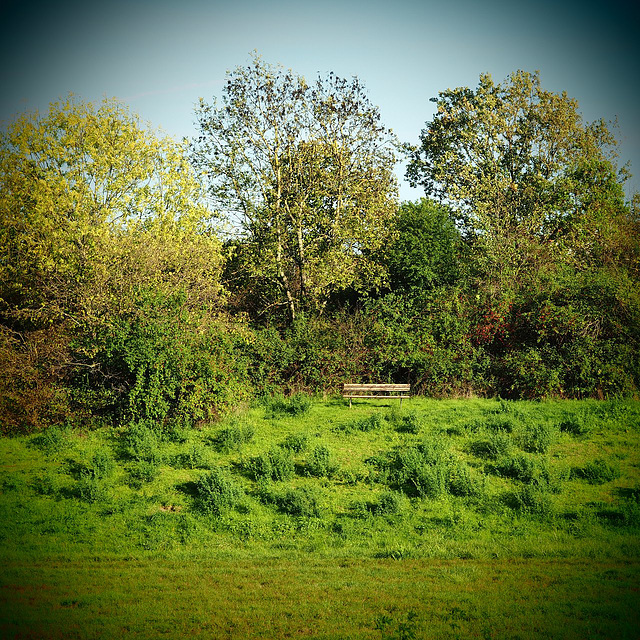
{"x":296,"y":442}
{"x":303,"y":502}
{"x":166,"y":372}
{"x":409,"y":423}
{"x":216,"y":492}
{"x":233,"y":437}
{"x":388,"y":504}
{"x":461,"y":481}
{"x":519,"y":467}
{"x":141,"y":443}
{"x":276,"y":464}
{"x":574,"y":425}
{"x":537,"y":437}
{"x":597,"y":472}
{"x":497,"y":444}
{"x":320,"y":462}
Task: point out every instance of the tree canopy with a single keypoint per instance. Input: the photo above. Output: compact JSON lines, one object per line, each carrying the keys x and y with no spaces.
{"x":520,"y":167}
{"x":304,"y":172}
{"x":92,"y":205}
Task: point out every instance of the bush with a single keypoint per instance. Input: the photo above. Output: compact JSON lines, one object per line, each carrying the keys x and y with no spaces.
{"x":597,"y":472}
{"x":303,"y":502}
{"x":296,"y":442}
{"x":537,"y":437}
{"x":216,"y":492}
{"x":141,"y":443}
{"x":321,"y":463}
{"x":295,"y":405}
{"x":276,"y":465}
{"x":498,"y":444}
{"x":233,"y":438}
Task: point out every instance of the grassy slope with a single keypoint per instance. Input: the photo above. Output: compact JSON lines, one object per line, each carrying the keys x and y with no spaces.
{"x":103,"y":536}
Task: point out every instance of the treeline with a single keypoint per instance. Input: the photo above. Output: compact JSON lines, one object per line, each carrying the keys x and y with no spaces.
{"x":145,"y":280}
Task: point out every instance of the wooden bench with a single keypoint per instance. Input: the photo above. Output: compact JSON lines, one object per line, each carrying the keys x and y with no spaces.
{"x":391,"y":391}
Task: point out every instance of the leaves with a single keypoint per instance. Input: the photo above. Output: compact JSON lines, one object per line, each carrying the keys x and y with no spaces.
{"x":304,"y":173}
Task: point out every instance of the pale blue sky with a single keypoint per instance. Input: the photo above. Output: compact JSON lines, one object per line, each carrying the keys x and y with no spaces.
{"x":161,"y":56}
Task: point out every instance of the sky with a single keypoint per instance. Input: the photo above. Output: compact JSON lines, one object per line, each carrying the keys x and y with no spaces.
{"x":161,"y":56}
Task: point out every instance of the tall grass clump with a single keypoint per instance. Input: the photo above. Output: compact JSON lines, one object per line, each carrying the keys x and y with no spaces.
{"x":142,"y":443}
{"x":301,"y":502}
{"x":531,"y":499}
{"x":52,"y":440}
{"x":321,"y":462}
{"x":295,"y":405}
{"x":575,"y":425}
{"x":276,"y":464}
{"x":498,"y":443}
{"x":419,"y":470}
{"x":537,"y":437}
{"x":216,"y":492}
{"x":195,"y":456}
{"x":597,"y":471}
{"x":233,"y":437}
{"x":296,"y":442}
{"x":409,"y":423}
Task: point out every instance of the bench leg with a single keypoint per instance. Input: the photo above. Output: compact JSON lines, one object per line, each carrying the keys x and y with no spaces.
{"x":349,"y":403}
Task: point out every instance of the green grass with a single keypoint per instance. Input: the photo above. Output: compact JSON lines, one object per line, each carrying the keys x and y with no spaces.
{"x":452,"y":518}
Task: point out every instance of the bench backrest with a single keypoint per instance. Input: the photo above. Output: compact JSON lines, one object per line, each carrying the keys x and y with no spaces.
{"x":353,"y":388}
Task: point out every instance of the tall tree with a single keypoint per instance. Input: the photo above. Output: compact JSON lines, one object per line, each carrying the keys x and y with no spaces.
{"x":105,"y":253}
{"x":93,"y":205}
{"x":304,"y":173}
{"x":521,"y":168}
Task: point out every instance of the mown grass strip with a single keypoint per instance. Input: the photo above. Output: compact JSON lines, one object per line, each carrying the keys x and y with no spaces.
{"x":321,"y":599}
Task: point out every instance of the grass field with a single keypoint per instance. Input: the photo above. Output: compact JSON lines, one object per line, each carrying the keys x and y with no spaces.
{"x":298,"y":518}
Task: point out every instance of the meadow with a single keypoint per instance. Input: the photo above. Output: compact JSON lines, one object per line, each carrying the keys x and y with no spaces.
{"x":299,"y":517}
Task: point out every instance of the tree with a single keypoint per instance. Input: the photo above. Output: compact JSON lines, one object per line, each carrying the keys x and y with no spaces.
{"x":426,"y":250}
{"x":304,"y":173}
{"x":102,"y":226}
{"x":92,"y":206}
{"x":520,"y":166}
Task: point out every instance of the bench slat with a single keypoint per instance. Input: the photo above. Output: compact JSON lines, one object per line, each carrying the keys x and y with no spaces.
{"x":377,"y":387}
{"x":378,"y":397}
